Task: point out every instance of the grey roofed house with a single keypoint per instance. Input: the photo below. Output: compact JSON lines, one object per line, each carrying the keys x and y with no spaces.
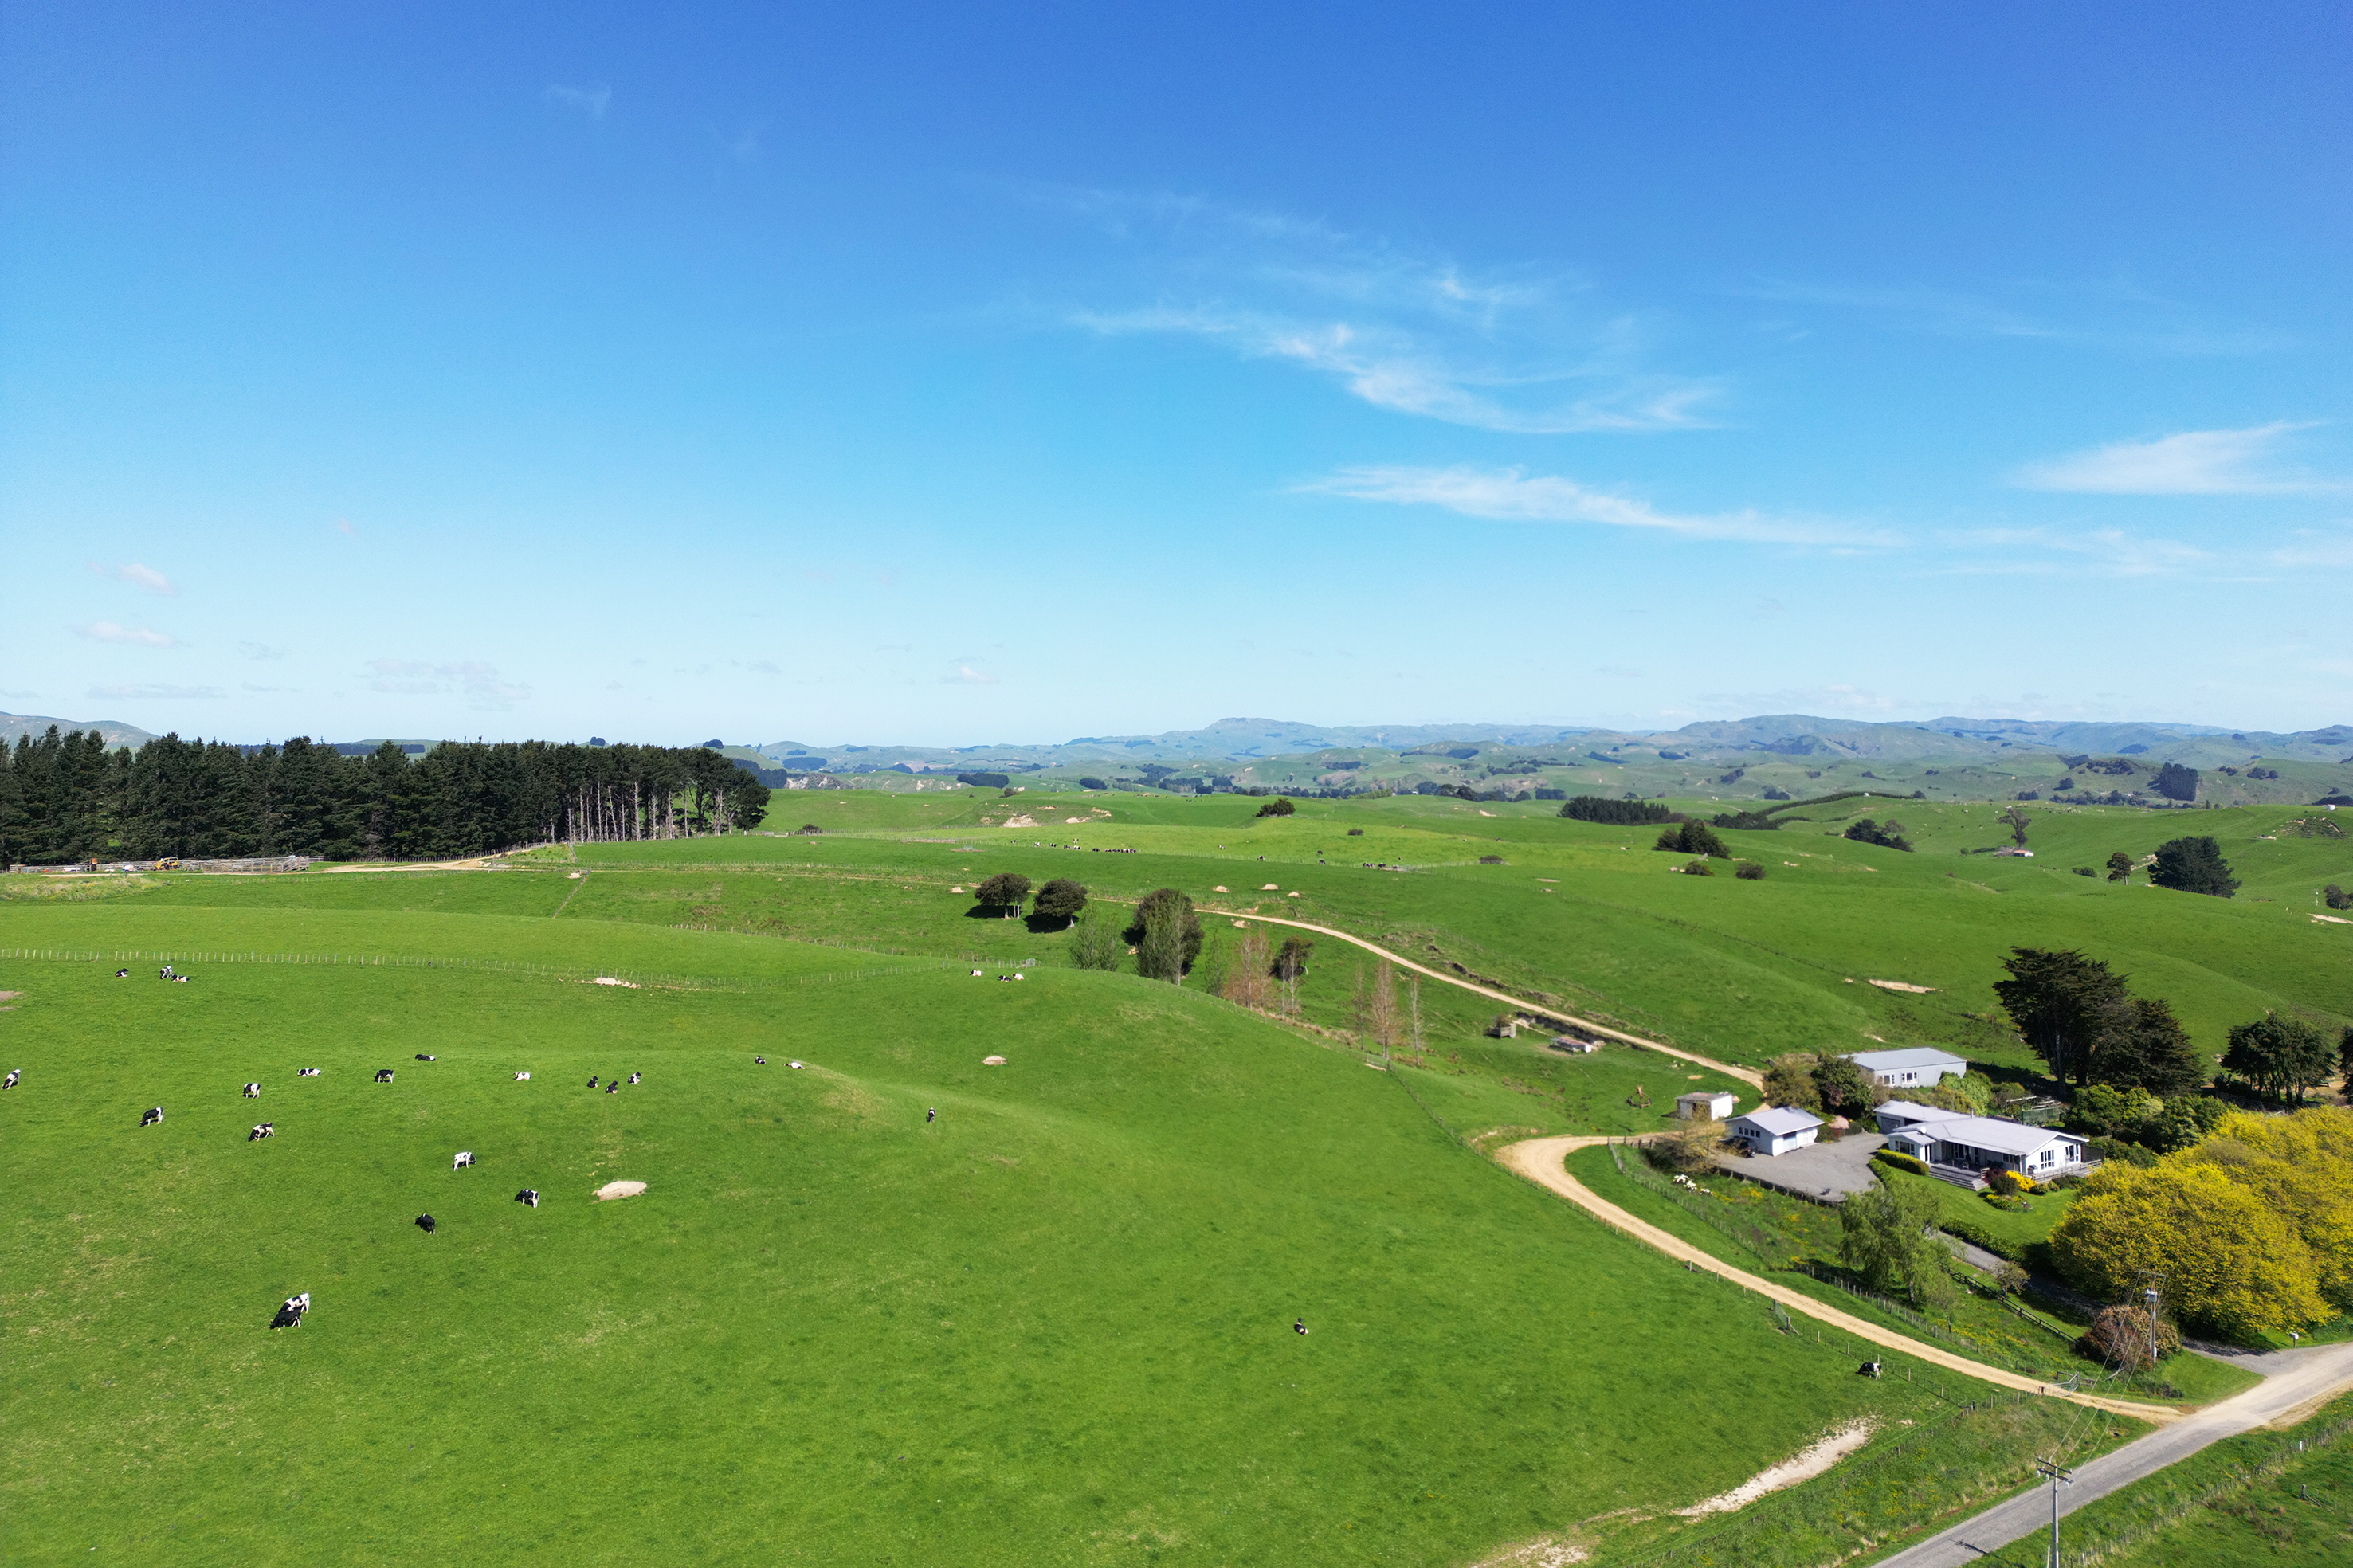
{"x":1774,"y":1130}
{"x":1897,"y":1113}
{"x":1913,"y":1065}
{"x":1987,"y":1142}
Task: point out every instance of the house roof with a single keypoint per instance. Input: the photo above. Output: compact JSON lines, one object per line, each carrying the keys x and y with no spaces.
{"x":1781,"y":1121}
{"x":1995,"y":1135}
{"x":1911,"y":1057}
{"x":1706,"y":1094}
{"x":1911,"y":1110}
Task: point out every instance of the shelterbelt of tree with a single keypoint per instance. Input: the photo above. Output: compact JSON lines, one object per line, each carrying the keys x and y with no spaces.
{"x":70,"y":797}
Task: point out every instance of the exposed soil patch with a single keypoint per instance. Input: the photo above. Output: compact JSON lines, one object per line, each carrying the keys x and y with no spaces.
{"x":1818,"y":1456}
{"x":619,"y":1190}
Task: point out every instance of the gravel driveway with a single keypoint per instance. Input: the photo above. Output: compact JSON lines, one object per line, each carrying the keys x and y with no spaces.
{"x":1828,"y":1170}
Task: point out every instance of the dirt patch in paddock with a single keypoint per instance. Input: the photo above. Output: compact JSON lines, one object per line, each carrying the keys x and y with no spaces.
{"x":1545,"y":1552}
{"x":1817,"y":1457}
{"x":1902,"y":985}
{"x":619,"y":1190}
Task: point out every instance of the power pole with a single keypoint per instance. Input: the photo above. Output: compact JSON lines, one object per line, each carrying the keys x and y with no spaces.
{"x":2057,"y":1475}
{"x":2149,"y":1300}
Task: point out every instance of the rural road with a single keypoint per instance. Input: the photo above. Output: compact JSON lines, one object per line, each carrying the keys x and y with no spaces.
{"x":1539,"y":1160}
{"x":2293,"y":1380}
{"x":1747,"y":1075}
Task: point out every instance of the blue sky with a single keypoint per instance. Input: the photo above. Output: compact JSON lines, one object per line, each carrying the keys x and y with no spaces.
{"x":966,"y":374}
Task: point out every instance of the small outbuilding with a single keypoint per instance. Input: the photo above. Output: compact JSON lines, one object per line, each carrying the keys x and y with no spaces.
{"x":1915,"y":1067}
{"x":1774,"y":1130}
{"x":1706,"y":1105}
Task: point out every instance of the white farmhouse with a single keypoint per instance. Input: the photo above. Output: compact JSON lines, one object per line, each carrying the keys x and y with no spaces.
{"x":1916,"y":1067}
{"x":1990,"y":1143}
{"x":1774,"y":1130}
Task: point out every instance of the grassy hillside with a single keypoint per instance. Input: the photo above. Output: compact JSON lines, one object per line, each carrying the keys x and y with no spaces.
{"x":1054,"y":1326}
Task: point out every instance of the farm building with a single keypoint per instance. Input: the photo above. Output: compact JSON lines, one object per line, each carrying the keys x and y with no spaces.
{"x":1706,"y":1105}
{"x":1917,"y":1064}
{"x":1971,"y":1144}
{"x":1774,"y":1131}
{"x":1899,"y":1114}
{"x":1574,"y":1046}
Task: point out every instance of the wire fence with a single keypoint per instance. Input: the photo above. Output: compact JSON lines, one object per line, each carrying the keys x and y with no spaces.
{"x":2239,"y":1478}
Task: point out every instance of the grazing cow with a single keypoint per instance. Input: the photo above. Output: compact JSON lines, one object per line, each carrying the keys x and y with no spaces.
{"x":592,"y":1083}
{"x":425,"y":1223}
{"x":1298,"y":1325}
{"x":266,"y":1130}
{"x":253,"y":1092}
{"x":465,"y":1158}
{"x":1868,"y":1368}
{"x":529,"y":1197}
{"x":423,"y":1058}
{"x":122,"y":975}
{"x":931,"y":1116}
{"x":164,"y":972}
{"x":155,"y":1114}
{"x":383,"y":1075}
{"x":10,"y":1082}
{"x":522,"y":1078}
{"x":290,"y":1315}
{"x":614,"y":1086}
{"x":635,"y":1076}
{"x":759,"y":1061}
{"x":306,"y":1072}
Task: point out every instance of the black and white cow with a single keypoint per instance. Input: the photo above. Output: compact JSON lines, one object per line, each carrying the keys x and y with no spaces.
{"x":290,"y":1313}
{"x":383,"y":1075}
{"x":423,"y":1058}
{"x":306,"y":1072}
{"x":1868,"y":1368}
{"x":465,"y":1158}
{"x":155,"y":1114}
{"x":425,"y":1223}
{"x":10,"y":1082}
{"x":592,"y":1083}
{"x":614,"y":1086}
{"x":635,"y":1076}
{"x":252,"y":1091}
{"x":529,"y":1197}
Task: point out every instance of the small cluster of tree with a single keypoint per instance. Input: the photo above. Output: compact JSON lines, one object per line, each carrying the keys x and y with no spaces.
{"x":1751,"y":871}
{"x":1887,"y":1234}
{"x":2282,"y":1057}
{"x":2252,"y":1227}
{"x":2175,"y":782}
{"x":1007,"y":890}
{"x":1096,"y":942}
{"x":2136,"y":1116}
{"x":2337,"y":898}
{"x":986,"y":781}
{"x":2079,"y":1016}
{"x":1823,"y":1083}
{"x":1745,"y":821}
{"x":2120,"y":867}
{"x":1167,"y":935}
{"x":1890,"y":836}
{"x":68,"y":797}
{"x":1692,"y":839}
{"x":2193,"y":866}
{"x":1615,"y":813}
{"x":1276,"y":807}
{"x":2132,"y":1338}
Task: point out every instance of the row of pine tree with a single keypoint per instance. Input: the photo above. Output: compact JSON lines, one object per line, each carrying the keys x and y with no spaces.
{"x":65,"y":798}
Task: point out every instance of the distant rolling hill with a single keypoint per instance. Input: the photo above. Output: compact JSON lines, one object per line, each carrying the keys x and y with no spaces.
{"x":115,"y":731}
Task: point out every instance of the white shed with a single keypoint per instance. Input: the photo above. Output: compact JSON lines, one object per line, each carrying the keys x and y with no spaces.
{"x":1775,"y":1130}
{"x":1706,"y":1105}
{"x":1915,"y":1067}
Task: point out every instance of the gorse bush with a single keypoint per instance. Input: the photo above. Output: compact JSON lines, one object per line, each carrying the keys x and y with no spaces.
{"x":1615,"y":813}
{"x":1276,"y":807}
{"x":1693,"y":838}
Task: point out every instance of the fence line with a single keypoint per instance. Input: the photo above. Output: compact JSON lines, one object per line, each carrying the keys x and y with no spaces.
{"x":2236,"y":1479}
{"x":418,"y":961}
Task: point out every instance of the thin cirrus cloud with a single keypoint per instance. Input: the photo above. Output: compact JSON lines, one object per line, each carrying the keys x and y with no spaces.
{"x":2190,"y":463}
{"x":1508,"y":495}
{"x":133,"y":637}
{"x":590,"y":100}
{"x":2115,"y":315}
{"x":966,"y":675}
{"x":417,"y":678}
{"x":139,"y":576}
{"x":1511,"y":352}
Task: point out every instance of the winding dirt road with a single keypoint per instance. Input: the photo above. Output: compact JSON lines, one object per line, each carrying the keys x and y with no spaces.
{"x":1747,"y":1075}
{"x":1539,"y":1160}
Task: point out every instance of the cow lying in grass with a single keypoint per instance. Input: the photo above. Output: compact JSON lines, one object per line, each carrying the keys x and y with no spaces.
{"x":266,"y":1130}
{"x":425,"y":1223}
{"x":306,"y":1072}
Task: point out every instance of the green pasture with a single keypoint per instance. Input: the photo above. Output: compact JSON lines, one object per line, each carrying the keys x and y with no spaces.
{"x":1054,"y":1326}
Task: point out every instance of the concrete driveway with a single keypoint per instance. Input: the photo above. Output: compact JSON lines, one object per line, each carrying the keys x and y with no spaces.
{"x":1826,"y":1171}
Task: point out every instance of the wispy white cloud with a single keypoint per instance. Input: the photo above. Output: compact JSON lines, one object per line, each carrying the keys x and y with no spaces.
{"x":2191,"y":463}
{"x":591,"y":101}
{"x":2104,"y":314}
{"x":417,"y":678}
{"x":2034,"y":552}
{"x":260,"y":651}
{"x":1508,"y":495}
{"x":2311,"y":548}
{"x":966,"y":675}
{"x":156,"y":693}
{"x":135,"y":637}
{"x":1510,"y":350}
{"x":138,"y":577}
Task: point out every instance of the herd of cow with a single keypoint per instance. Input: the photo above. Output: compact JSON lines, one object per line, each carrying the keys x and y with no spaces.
{"x":291,"y":1312}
